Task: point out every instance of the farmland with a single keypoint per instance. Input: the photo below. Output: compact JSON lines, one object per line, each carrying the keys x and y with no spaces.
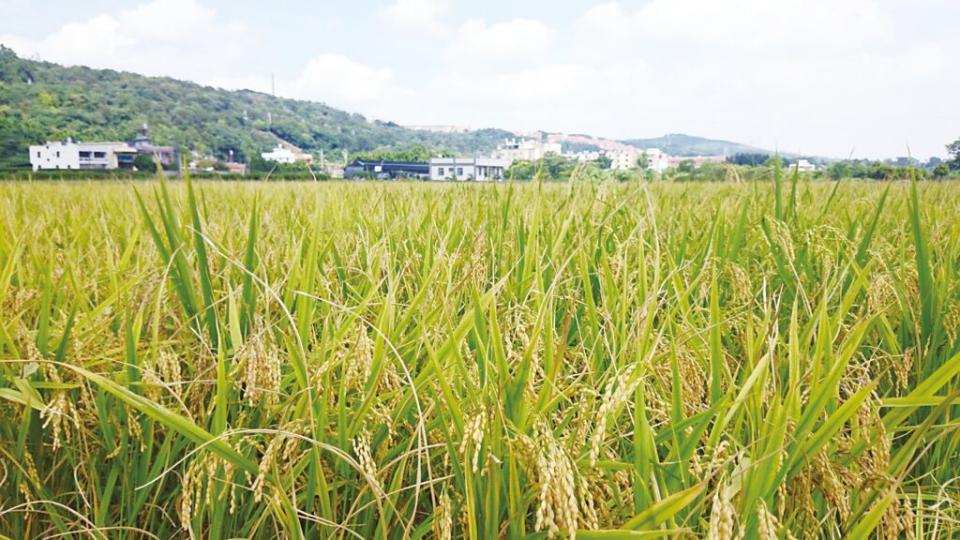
{"x":399,"y":360}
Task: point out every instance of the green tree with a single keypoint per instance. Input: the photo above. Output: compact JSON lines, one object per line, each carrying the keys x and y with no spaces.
{"x":643,"y":161}
{"x":144,"y":162}
{"x":954,"y":150}
{"x":941,"y":171}
{"x":687,"y":166}
{"x":604,"y":162}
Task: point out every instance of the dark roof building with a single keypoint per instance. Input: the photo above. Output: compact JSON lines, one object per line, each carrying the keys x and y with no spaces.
{"x":144,"y":145}
{"x":386,"y":170}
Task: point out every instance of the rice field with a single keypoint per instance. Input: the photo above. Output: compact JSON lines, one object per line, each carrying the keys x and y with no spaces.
{"x":526,"y":361}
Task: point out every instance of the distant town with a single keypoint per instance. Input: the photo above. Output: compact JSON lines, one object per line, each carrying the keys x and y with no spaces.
{"x":142,"y":154}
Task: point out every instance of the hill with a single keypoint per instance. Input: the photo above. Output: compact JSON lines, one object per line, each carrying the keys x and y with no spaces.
{"x":678,"y":144}
{"x":44,"y":101}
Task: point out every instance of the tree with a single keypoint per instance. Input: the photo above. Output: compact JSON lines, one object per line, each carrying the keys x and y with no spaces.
{"x":687,"y":166}
{"x":941,"y":171}
{"x":604,"y":162}
{"x":144,"y":162}
{"x":838,"y":170}
{"x":954,"y":150}
{"x":643,"y":161}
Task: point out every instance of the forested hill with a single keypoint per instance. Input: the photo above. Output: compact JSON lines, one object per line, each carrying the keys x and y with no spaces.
{"x":678,"y":144}
{"x":43,"y":101}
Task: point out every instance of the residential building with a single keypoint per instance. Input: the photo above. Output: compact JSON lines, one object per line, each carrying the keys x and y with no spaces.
{"x":804,"y":165}
{"x":526,"y":150}
{"x":477,"y":168}
{"x":144,"y":146}
{"x":280,"y":155}
{"x":236,"y":168}
{"x":287,"y":153}
{"x":657,"y":160}
{"x":387,"y":170}
{"x":70,"y":155}
{"x":583,"y":155}
{"x":623,"y":160}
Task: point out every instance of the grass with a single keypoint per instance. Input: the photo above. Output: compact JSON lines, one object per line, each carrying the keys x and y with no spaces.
{"x":605,"y":361}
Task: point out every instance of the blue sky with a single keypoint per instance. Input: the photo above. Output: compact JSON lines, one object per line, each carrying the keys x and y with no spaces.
{"x":867,"y":78}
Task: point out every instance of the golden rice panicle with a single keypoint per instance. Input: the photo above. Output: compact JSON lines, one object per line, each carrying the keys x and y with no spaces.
{"x":443,"y":518}
{"x":261,"y":370}
{"x":368,"y":467}
{"x":722,"y":515}
{"x":558,"y":507}
{"x":472,"y":443}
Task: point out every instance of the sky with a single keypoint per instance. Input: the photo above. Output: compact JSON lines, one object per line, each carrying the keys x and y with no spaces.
{"x":836,"y":78}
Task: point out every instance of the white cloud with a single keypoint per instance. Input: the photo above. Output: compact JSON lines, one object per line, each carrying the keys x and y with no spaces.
{"x":337,"y":79}
{"x":416,"y":15}
{"x":180,"y":38}
{"x":511,"y":39}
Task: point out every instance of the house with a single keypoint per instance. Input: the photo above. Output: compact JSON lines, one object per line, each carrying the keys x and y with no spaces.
{"x":70,"y":155}
{"x":144,"y":146}
{"x":287,"y":153}
{"x":657,"y":160}
{"x":236,"y":168}
{"x":280,"y":155}
{"x":525,"y":150}
{"x":623,"y":160}
{"x":387,"y":170}
{"x":804,"y":165}
{"x":478,"y":168}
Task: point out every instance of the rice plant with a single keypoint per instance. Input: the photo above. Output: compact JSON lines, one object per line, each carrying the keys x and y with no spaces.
{"x":402,"y":360}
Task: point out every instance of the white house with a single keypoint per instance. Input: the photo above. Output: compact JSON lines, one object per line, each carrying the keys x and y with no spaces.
{"x":623,"y":160}
{"x":657,"y":160}
{"x":76,"y":155}
{"x":280,"y":155}
{"x":525,"y":150}
{"x":804,"y":165}
{"x":479,"y":169}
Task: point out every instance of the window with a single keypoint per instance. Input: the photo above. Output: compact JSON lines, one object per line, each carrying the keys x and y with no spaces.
{"x":459,"y":171}
{"x":58,"y":153}
{"x":38,"y":154}
{"x":85,"y":154}
{"x":99,"y":154}
{"x":440,"y":171}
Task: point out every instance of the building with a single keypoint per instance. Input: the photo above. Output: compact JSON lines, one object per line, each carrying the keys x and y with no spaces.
{"x":236,"y":168}
{"x":70,"y":155}
{"x":804,"y":165}
{"x":144,"y":146}
{"x":623,"y":160}
{"x":583,"y":155}
{"x":280,"y":155}
{"x":525,"y":150}
{"x":657,"y":160}
{"x":387,"y":170}
{"x":479,"y":169}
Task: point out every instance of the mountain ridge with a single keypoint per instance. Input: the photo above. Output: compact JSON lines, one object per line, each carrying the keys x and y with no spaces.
{"x":42,"y":101}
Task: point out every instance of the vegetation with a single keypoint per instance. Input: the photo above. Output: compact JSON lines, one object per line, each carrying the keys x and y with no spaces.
{"x":551,"y":167}
{"x":875,"y":170}
{"x":415,"y":153}
{"x":42,"y":101}
{"x":397,"y":360}
{"x":954,"y":150}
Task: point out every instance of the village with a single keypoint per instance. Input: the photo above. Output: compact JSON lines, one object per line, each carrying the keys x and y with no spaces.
{"x":141,"y":154}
